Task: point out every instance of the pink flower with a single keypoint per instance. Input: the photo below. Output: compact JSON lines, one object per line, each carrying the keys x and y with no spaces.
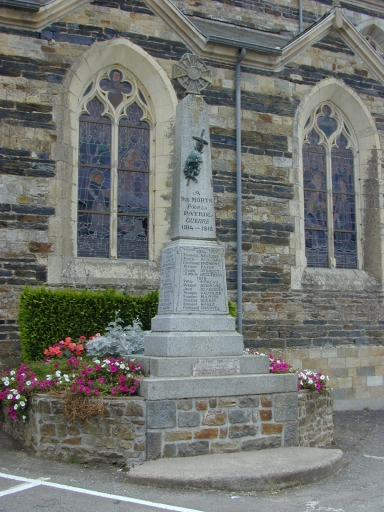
{"x":13,"y":415}
{"x":96,"y":391}
{"x":100,"y":379}
{"x":113,"y":391}
{"x":132,"y":389}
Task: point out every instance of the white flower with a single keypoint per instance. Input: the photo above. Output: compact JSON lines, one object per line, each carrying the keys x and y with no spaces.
{"x":17,"y":397}
{"x":310,"y":381}
{"x":49,"y":377}
{"x":24,"y":417}
{"x":58,"y":373}
{"x":15,"y":407}
{"x":66,"y":378}
{"x":322,"y":377}
{"x":12,"y":372}
{"x":6,"y":382}
{"x":122,"y":366}
{"x":9,"y":397}
{"x":97,"y":361}
{"x":28,"y":383}
{"x":22,"y":403}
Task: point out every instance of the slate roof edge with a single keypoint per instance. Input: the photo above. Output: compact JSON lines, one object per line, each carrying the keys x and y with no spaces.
{"x":36,"y":19}
{"x":21,"y":5}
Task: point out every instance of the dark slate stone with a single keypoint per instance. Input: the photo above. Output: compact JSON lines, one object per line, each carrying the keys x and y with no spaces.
{"x":365,"y":371}
{"x":239,"y":415}
{"x":153,"y":445}
{"x":33,"y":210}
{"x":261,"y":443}
{"x":161,"y":414}
{"x":192,"y":449}
{"x":188,"y":419}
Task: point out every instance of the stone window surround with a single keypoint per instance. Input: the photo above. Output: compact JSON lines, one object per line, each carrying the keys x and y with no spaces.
{"x":63,"y":265}
{"x":367,"y":167}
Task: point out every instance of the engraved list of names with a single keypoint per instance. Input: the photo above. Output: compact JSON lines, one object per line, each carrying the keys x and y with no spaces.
{"x":197,"y":276}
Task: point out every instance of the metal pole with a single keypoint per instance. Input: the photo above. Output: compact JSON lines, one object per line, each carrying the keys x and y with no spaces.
{"x":239,"y":214}
{"x":301,"y":16}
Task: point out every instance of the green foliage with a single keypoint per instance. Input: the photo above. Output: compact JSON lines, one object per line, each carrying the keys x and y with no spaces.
{"x":48,"y":316}
{"x":232,"y":309}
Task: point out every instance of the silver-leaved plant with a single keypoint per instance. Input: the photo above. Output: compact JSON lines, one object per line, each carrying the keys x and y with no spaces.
{"x":118,"y":341}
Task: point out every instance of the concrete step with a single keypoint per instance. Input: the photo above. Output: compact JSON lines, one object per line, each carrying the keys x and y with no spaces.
{"x":262,"y":470}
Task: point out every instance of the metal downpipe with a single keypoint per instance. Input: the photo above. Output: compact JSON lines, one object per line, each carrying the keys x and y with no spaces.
{"x":301,"y":16}
{"x":239,"y":213}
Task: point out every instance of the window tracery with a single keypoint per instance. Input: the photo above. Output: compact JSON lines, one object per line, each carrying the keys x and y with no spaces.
{"x":113,"y":168}
{"x":375,"y":45}
{"x":329,"y":150}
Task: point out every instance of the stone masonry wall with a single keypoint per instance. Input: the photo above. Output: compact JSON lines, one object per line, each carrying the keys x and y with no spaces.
{"x":315,"y":418}
{"x":181,"y":428}
{"x":355,"y":372}
{"x":117,"y":438}
{"x":133,"y":430}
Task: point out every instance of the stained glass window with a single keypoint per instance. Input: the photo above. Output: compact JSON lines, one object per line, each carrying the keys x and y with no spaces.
{"x":329,"y":191}
{"x":113,"y":170}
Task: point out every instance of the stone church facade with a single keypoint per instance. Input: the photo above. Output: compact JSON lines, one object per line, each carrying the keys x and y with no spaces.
{"x":87,"y":109}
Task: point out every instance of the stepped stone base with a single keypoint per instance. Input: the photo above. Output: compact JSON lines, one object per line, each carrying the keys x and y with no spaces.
{"x":197,"y":366}
{"x":158,"y":388}
{"x":193,"y":344}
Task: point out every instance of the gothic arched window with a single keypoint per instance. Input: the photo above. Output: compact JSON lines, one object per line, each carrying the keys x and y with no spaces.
{"x":329,"y":190}
{"x":113,"y":168}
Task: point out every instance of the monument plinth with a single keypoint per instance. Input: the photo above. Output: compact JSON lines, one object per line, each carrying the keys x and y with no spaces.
{"x":193,"y":318}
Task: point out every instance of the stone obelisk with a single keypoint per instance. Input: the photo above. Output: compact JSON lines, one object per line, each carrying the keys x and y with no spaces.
{"x":193,"y":317}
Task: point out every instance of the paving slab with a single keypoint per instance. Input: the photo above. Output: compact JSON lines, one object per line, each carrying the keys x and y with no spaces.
{"x":262,"y":470}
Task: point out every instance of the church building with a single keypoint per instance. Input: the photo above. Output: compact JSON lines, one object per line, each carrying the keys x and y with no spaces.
{"x":295,"y":89}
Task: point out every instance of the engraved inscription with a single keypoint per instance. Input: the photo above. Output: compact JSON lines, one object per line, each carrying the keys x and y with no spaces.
{"x":197,"y":214}
{"x":167,"y":284}
{"x":201,"y":283}
{"x":216,"y":367}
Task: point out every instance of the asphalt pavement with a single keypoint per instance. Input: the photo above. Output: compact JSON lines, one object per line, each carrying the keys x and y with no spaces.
{"x":28,"y":483}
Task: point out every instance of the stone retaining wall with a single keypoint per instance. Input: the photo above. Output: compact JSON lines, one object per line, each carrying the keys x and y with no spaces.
{"x":180,"y":428}
{"x":117,"y":438}
{"x":134,"y":430}
{"x":315,"y":418}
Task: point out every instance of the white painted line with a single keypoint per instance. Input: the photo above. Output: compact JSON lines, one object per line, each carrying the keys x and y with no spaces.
{"x":19,"y":488}
{"x":373,"y":457}
{"x":97,"y":493}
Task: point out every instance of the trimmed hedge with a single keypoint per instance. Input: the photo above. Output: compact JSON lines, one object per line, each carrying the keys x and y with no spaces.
{"x":48,"y":316}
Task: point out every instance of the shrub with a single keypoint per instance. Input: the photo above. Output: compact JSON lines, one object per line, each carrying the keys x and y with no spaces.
{"x":118,"y":341}
{"x":46,"y":315}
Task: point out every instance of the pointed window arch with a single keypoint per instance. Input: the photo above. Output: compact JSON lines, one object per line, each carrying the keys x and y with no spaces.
{"x":113,"y":168}
{"x":329,"y":150}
